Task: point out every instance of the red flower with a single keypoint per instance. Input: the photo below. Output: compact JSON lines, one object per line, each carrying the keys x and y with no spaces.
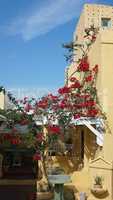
{"x":85,"y":96}
{"x":54,"y":129}
{"x":85,"y":104}
{"x":15,"y":141}
{"x":42,"y":104}
{"x":77,"y":116}
{"x":92,"y":112}
{"x":83,"y":65}
{"x":90,"y":103}
{"x":95,"y":69}
{"x":37,"y":156}
{"x":28,"y":107}
{"x":93,"y":37}
{"x":64,"y":90}
{"x":80,"y":105}
{"x":76,"y":85}
{"x":77,"y":95}
{"x":73,"y":79}
{"x":52,"y":97}
{"x":7,"y":136}
{"x":39,"y":137}
{"x":62,"y":105}
{"x":88,"y":78}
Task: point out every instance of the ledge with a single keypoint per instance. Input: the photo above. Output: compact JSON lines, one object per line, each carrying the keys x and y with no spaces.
{"x":18,"y":182}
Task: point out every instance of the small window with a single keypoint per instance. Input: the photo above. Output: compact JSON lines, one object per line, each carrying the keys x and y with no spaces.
{"x":106,"y":22}
{"x":76,"y":37}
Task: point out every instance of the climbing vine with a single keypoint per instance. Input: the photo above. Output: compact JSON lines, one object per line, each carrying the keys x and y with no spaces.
{"x":24,"y":125}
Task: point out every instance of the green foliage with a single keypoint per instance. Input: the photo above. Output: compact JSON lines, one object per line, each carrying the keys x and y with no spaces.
{"x":98,"y":180}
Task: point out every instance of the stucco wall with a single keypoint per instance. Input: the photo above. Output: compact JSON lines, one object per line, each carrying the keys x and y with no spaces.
{"x":101,"y":53}
{"x":94,"y":13}
{"x":1,"y":100}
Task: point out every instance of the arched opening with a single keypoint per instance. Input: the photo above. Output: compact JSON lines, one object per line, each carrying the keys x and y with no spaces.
{"x":19,"y":174}
{"x":18,"y":164}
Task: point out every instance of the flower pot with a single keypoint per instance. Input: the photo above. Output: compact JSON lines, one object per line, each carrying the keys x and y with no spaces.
{"x":96,"y":191}
{"x":44,"y":195}
{"x":97,"y":186}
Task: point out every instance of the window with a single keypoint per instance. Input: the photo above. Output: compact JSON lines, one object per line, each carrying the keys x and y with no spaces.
{"x":76,"y":37}
{"x":63,"y":147}
{"x":106,"y":22}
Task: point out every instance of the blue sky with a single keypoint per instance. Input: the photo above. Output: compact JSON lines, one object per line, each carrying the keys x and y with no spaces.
{"x":31,"y":38}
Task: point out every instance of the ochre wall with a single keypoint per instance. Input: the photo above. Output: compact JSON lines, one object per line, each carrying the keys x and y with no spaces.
{"x":101,"y":53}
{"x":1,"y":100}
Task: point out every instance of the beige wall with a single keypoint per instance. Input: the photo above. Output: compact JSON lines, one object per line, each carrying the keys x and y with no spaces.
{"x":101,"y":53}
{"x":107,"y":73}
{"x":104,"y":169}
{"x":94,"y":13}
{"x":91,"y":15}
{"x":1,"y":101}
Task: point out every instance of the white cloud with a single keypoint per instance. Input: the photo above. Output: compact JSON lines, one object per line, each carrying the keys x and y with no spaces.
{"x":36,"y":92}
{"x":45,"y":18}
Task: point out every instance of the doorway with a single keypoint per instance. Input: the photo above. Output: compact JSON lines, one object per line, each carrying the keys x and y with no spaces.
{"x":18,"y":164}
{"x":82,"y":146}
{"x":19,"y":175}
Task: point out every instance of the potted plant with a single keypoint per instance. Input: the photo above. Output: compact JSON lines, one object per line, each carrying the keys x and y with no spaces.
{"x":98,"y":182}
{"x":98,"y":189}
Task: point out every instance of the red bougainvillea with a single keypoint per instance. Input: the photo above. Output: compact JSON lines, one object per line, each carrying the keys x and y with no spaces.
{"x":64,"y":90}
{"x":72,"y":101}
{"x":83,"y":65}
{"x":95,"y":69}
{"x":75,"y":85}
{"x":73,"y":79}
{"x":36,"y":157}
{"x":92,"y":112}
{"x":40,"y":137}
{"x":89,"y":78}
{"x":54,"y":129}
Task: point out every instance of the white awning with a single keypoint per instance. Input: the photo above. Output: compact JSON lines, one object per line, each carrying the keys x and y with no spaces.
{"x":87,"y":121}
{"x":99,"y":125}
{"x":2,"y":118}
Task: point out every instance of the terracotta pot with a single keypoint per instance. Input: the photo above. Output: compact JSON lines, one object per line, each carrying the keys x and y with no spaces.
{"x":99,"y":191}
{"x":44,"y":195}
{"x":97,"y":186}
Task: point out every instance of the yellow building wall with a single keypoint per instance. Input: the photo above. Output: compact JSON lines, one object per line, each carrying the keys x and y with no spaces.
{"x":2,"y":100}
{"x":101,"y":53}
{"x":94,"y":12}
